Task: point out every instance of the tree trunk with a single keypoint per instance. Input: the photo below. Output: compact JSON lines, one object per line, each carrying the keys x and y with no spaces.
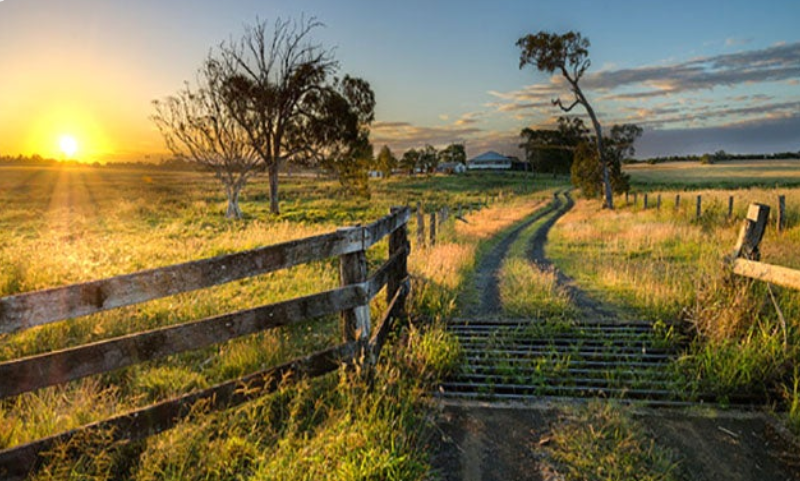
{"x":232,"y":192}
{"x":273,"y":188}
{"x":598,"y":131}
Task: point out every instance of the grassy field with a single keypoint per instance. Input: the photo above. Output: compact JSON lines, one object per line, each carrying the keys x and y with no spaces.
{"x":60,"y":226}
{"x":731,"y":174}
{"x":667,"y":265}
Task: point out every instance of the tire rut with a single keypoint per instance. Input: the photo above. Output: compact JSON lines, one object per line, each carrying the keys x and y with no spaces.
{"x":487,"y":281}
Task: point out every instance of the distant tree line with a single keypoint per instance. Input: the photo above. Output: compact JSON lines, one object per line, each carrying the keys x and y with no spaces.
{"x":426,"y":160}
{"x":720,"y":155}
{"x":172,"y":164}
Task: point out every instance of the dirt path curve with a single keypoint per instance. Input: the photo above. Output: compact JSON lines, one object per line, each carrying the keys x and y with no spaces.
{"x":486,"y":273}
{"x":591,"y":308}
{"x":499,"y":441}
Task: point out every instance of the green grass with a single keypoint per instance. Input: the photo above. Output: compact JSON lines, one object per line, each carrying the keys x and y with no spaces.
{"x":529,"y":290}
{"x":599,"y":441}
{"x":665,"y":265}
{"x":60,"y":226}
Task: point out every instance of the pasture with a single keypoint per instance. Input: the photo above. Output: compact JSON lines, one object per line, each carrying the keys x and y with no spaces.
{"x":730,"y":174}
{"x":60,"y":226}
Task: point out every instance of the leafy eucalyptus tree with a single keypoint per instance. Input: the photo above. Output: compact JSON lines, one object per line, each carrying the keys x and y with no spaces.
{"x":568,"y":55}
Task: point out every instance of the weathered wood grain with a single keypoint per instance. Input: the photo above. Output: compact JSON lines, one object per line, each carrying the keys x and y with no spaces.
{"x":17,"y":462}
{"x":752,"y":232}
{"x":42,"y":307}
{"x":57,"y":367}
{"x":398,"y":242}
{"x":383,"y":274}
{"x":779,"y":275}
{"x":381,"y":228}
{"x":394,"y":311}
{"x":355,"y":321}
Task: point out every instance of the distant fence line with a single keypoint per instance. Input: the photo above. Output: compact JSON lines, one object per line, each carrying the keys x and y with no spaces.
{"x":633,"y":199}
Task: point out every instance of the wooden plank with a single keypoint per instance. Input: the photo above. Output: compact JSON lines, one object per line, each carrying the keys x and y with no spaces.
{"x":385,"y":272}
{"x":17,"y":462}
{"x":779,"y":275}
{"x":381,"y":228}
{"x":36,"y":308}
{"x":57,"y":367}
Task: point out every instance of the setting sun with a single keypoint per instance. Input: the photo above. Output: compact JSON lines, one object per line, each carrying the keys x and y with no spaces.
{"x":68,"y":145}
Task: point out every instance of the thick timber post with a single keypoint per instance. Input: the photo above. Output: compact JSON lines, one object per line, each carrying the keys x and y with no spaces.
{"x":398,"y":241}
{"x":353,"y":270}
{"x":752,"y":232}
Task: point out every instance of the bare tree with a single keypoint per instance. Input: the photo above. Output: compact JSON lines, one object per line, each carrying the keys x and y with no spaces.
{"x":199,"y":127}
{"x":272,"y":77}
{"x":567,"y":54}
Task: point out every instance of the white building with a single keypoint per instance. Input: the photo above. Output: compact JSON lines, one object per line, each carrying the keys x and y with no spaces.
{"x":490,"y":161}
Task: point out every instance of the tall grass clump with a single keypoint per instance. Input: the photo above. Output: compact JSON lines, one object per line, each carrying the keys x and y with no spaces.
{"x":599,"y":441}
{"x":530,"y":290}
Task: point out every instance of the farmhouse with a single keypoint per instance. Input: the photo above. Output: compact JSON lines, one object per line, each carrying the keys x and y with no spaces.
{"x":493,"y":161}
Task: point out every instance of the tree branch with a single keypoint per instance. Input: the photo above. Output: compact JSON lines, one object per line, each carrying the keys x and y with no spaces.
{"x":557,"y":102}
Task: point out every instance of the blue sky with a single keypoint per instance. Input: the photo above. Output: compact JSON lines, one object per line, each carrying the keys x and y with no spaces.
{"x":698,"y":76}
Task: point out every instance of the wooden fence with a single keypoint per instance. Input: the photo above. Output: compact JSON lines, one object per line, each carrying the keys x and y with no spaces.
{"x":780,"y":218}
{"x":351,"y":299}
{"x":746,"y":253}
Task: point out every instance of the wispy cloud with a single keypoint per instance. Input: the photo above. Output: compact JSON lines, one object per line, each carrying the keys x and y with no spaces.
{"x":402,"y":136}
{"x":779,"y":62}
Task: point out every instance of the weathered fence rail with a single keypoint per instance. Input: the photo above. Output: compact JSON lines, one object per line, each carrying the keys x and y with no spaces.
{"x":351,"y":299}
{"x":746,"y":254}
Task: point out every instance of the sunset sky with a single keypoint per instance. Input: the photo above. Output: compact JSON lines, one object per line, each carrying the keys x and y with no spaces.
{"x":698,"y":76}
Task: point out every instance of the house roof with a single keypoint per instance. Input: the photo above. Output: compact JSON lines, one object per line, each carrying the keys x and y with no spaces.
{"x":490,"y":156}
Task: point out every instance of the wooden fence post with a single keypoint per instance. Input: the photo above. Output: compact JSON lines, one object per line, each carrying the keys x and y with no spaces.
{"x":353,"y":270}
{"x":398,"y":241}
{"x":677,"y":201}
{"x":781,"y":221}
{"x":644,"y":202}
{"x":433,"y":229}
{"x":626,"y":198}
{"x":658,"y":202}
{"x":420,"y":226}
{"x":635,"y":199}
{"x":730,"y":206}
{"x":699,"y":206}
{"x":752,"y":232}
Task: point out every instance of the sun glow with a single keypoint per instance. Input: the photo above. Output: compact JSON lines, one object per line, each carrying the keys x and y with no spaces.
{"x":68,"y":145}
{"x":68,"y":132}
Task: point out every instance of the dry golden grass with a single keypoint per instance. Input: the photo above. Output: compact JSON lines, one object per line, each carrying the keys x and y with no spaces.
{"x":488,"y":222}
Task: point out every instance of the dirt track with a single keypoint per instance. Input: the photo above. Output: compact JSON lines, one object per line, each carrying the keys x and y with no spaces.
{"x":491,"y":441}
